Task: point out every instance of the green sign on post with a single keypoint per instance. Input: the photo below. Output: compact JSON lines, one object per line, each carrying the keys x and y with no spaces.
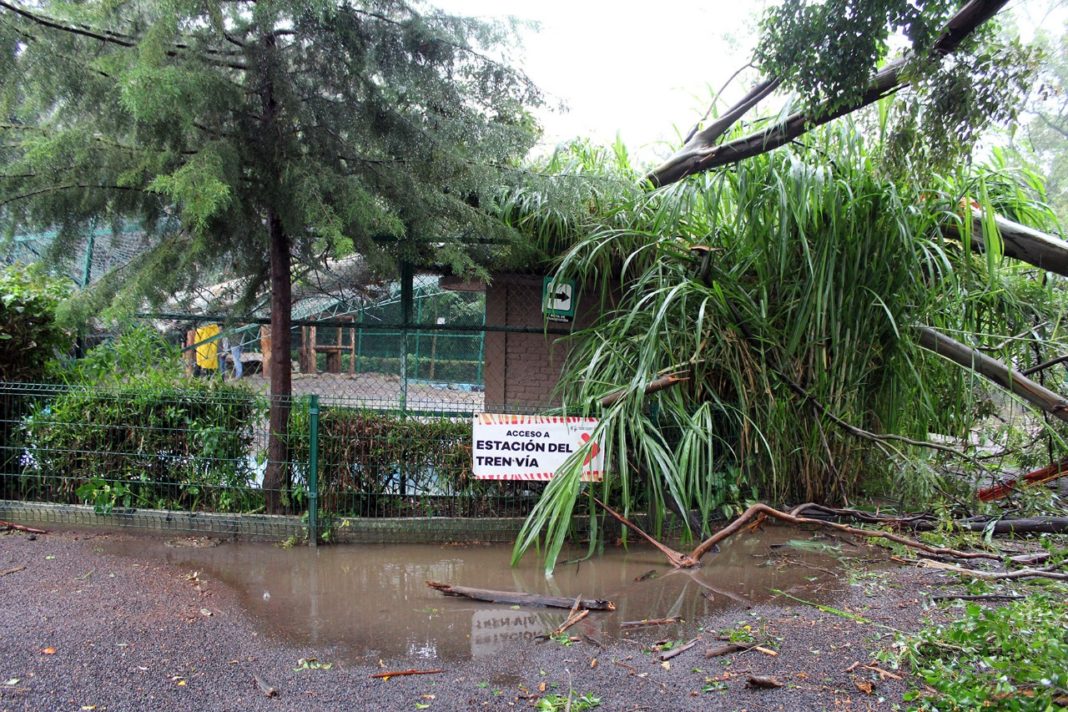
{"x":558,"y":299}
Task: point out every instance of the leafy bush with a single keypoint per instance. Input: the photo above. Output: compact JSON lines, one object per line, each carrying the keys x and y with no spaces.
{"x":379,"y":464}
{"x":1009,"y":658}
{"x":29,"y":332}
{"x":155,"y":439}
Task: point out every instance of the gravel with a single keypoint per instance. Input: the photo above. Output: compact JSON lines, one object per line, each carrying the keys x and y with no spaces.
{"x":84,"y":630}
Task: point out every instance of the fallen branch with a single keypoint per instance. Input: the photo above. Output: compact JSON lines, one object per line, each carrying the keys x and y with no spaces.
{"x":649,"y":622}
{"x":993,"y":575}
{"x":573,"y":617}
{"x":729,"y":649}
{"x":15,"y":570}
{"x":977,"y":597}
{"x":402,"y":673}
{"x":758,"y":509}
{"x":657,"y":384}
{"x":519,"y":598}
{"x":1036,"y":477}
{"x":675,"y":652}
{"x":677,"y":559}
{"x":264,"y":687}
{"x":21,"y":528}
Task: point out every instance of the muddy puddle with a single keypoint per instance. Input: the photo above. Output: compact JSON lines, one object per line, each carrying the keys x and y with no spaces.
{"x":367,"y":602}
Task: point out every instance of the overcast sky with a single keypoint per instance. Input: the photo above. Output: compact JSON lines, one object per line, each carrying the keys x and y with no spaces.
{"x":646,"y":70}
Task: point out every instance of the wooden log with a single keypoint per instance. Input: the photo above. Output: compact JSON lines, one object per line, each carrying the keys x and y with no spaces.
{"x":995,"y":371}
{"x":994,"y":575}
{"x":926,"y":522}
{"x":519,"y":598}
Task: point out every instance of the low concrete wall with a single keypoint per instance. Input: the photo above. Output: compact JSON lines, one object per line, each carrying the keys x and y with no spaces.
{"x":354,"y":530}
{"x":263,"y":526}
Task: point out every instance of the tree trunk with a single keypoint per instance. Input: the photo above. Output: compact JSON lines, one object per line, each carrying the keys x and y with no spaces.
{"x":700,"y":155}
{"x":1021,"y":243}
{"x":275,"y":478}
{"x":994,"y":370}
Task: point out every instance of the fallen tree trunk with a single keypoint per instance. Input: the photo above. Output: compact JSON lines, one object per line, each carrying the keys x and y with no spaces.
{"x":995,"y":371}
{"x":994,"y":575}
{"x":519,"y":598}
{"x":1020,"y":243}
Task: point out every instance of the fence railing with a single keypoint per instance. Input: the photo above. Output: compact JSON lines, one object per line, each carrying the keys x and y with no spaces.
{"x":201,"y":446}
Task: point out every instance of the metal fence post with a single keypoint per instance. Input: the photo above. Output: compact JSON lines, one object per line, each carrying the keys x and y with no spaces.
{"x":313,"y":470}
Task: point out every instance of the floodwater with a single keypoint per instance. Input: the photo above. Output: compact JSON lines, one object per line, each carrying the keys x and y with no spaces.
{"x":370,"y":602}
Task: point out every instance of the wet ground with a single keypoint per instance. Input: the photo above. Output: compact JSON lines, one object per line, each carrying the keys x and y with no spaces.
{"x":99,"y":622}
{"x":373,"y":601}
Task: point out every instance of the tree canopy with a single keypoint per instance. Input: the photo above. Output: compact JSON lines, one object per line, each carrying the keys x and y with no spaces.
{"x":270,"y":131}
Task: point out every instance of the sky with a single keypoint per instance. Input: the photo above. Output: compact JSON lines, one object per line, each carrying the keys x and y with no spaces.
{"x":647,"y":71}
{"x":632,"y":69}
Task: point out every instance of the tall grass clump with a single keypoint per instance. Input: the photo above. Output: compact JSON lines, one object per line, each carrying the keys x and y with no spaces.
{"x":784,"y":292}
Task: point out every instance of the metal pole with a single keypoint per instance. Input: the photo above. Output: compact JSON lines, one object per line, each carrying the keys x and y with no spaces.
{"x":406,"y":321}
{"x":313,"y":470}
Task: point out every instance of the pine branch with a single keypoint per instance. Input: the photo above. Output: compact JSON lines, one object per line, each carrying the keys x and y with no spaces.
{"x":180,"y":50}
{"x":71,"y":186}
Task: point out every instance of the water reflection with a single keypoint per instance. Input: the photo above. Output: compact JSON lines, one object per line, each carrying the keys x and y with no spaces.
{"x":371,"y":601}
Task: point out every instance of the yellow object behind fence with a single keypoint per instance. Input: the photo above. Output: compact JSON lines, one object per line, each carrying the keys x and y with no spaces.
{"x":207,"y":354}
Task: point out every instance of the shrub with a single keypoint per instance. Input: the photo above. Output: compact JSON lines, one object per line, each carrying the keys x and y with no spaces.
{"x":375,"y":463}
{"x":133,"y":430}
{"x":29,"y":332}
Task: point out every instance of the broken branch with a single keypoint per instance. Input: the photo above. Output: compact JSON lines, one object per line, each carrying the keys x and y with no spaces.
{"x":757,"y":509}
{"x":519,"y":598}
{"x":402,"y":673}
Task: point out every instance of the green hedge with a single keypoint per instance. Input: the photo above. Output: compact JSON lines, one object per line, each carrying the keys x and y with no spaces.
{"x":373,"y":463}
{"x":182,"y":445}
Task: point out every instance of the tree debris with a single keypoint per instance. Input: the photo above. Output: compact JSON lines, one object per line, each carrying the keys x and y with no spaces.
{"x":402,"y":673}
{"x":520,"y":598}
{"x":14,"y":570}
{"x":266,"y":689}
{"x":675,"y":652}
{"x":21,"y":528}
{"x":766,"y":682}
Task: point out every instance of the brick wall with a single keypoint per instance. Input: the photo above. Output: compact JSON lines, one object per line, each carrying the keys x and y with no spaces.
{"x":522,"y":370}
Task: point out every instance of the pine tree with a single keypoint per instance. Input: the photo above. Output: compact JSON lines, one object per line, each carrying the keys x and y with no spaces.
{"x":250,"y":134}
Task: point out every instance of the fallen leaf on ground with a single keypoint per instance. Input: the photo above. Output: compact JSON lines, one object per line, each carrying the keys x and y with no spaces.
{"x":49,"y":650}
{"x":864,"y":686}
{"x":12,"y":682}
{"x":205,"y":612}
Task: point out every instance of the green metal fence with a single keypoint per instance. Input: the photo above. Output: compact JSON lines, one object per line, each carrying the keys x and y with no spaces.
{"x":199,"y":448}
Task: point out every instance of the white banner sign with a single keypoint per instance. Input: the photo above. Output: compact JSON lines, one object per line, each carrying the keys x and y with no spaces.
{"x":531,"y":447}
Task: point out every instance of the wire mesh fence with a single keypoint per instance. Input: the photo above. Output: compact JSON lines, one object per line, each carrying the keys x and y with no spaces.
{"x":200,"y":450}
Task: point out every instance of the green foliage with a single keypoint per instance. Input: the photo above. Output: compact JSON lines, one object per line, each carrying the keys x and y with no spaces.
{"x":30,"y":334}
{"x":126,"y":432}
{"x":554,"y":702}
{"x":365,"y":455}
{"x":829,"y":50}
{"x":368,"y":126}
{"x":1010,"y":658}
{"x":783,"y":293}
